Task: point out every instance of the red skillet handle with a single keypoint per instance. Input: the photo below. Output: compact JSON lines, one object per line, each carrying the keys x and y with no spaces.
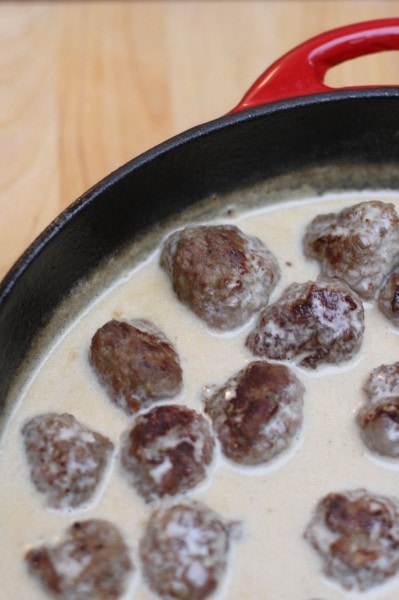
{"x":301,"y":71}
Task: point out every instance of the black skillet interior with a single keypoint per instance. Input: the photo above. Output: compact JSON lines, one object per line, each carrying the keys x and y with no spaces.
{"x":338,"y":128}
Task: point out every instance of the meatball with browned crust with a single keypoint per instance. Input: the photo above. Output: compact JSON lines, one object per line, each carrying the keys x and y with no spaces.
{"x":257,"y":413}
{"x":93,"y":563}
{"x":221,"y":274}
{"x":379,"y":426}
{"x":388,"y":299}
{"x":360,"y":245}
{"x":378,"y":418}
{"x":66,"y":459}
{"x":167,"y":451}
{"x":312,"y":323}
{"x":356,"y":534}
{"x":136,"y":363}
{"x":184,"y":551}
{"x":382,"y":382}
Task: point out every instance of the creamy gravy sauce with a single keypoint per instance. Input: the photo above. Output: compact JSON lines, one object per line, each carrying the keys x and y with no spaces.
{"x":272,"y":561}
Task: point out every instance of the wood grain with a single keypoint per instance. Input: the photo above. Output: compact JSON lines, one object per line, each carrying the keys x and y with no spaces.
{"x":85,"y":86}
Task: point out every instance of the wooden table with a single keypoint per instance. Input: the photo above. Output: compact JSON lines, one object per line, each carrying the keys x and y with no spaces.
{"x":85,"y":86}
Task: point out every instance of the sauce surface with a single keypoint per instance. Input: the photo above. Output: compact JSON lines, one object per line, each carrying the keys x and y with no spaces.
{"x":274,"y":502}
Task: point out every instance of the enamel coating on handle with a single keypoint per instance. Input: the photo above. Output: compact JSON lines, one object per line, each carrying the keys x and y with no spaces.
{"x":301,"y":71}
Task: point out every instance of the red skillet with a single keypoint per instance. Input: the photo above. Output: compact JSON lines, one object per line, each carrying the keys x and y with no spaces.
{"x":288,"y":125}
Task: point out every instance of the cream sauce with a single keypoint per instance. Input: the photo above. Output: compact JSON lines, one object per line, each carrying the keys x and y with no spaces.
{"x":272,"y":560}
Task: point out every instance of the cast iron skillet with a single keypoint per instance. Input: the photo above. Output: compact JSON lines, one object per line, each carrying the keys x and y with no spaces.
{"x":289,"y":120}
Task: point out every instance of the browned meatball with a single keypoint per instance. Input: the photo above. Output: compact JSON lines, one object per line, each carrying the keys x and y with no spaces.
{"x":382,"y":382}
{"x":378,"y":418}
{"x":356,"y":534}
{"x":360,"y":244}
{"x":257,"y":413}
{"x":184,"y":551}
{"x":136,"y":363}
{"x":221,"y":274}
{"x":92,"y":563}
{"x":388,"y":299}
{"x":167,"y":451}
{"x":312,"y":323}
{"x":66,"y":459}
{"x":379,"y":426}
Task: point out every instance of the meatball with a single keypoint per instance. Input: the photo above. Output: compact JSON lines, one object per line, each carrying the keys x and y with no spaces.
{"x":257,"y":413}
{"x":388,"y":299}
{"x":378,"y":418}
{"x":221,"y":274}
{"x":356,"y":534}
{"x":93,"y":562}
{"x":360,"y":245}
{"x":167,"y":451}
{"x":66,"y":459}
{"x":136,"y":363}
{"x":379,"y":426}
{"x":382,"y":382}
{"x":184,"y":551}
{"x":312,"y":323}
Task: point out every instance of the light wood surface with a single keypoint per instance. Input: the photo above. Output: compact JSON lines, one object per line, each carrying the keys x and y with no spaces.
{"x":86,"y":86}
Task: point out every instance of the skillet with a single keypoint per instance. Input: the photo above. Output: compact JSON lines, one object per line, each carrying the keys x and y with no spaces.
{"x":290,"y":127}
